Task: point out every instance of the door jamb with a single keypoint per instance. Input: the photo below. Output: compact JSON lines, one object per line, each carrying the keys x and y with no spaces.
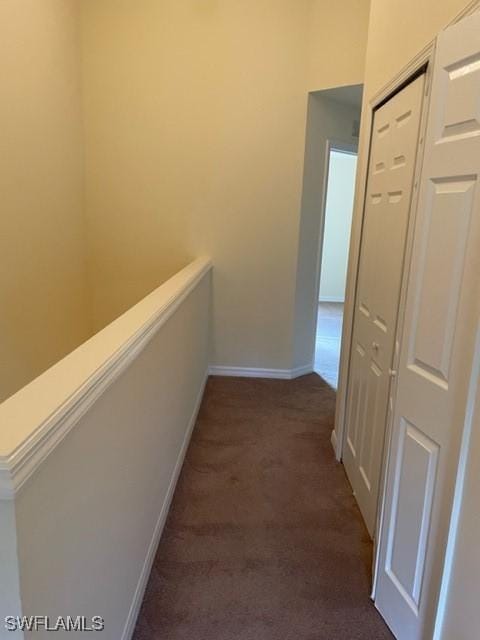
{"x":332,"y":144}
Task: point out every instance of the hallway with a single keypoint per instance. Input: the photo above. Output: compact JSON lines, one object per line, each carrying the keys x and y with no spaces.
{"x":264,"y":539}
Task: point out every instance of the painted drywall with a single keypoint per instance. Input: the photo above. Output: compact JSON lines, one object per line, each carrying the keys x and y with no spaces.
{"x":400,"y":30}
{"x":327,"y":120}
{"x":43,"y":277}
{"x":338,"y":220}
{"x":195,"y":116}
{"x":88,"y":516}
{"x":195,"y":124}
{"x":337,"y":39}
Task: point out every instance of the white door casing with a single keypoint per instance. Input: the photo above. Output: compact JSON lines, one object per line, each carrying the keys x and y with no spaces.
{"x":441,"y":319}
{"x":387,"y":206}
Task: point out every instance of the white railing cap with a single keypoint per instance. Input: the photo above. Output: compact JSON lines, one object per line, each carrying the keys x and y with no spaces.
{"x":38,"y":416}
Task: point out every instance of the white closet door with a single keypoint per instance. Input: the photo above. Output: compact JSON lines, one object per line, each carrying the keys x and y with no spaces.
{"x":389,"y":190}
{"x":442,"y":315}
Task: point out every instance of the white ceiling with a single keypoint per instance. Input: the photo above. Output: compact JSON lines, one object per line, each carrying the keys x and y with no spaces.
{"x":350,"y":95}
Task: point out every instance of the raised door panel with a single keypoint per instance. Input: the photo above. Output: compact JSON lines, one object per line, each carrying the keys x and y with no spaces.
{"x":448,"y":212}
{"x":416,"y":466}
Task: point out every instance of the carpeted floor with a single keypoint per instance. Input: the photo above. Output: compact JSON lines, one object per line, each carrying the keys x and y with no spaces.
{"x":264,"y":540}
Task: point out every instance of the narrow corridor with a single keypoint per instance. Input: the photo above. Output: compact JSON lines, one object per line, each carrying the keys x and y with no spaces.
{"x":264,"y":539}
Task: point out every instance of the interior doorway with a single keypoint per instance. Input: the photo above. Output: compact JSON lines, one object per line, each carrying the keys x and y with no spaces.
{"x":333,"y":123}
{"x":339,"y":196}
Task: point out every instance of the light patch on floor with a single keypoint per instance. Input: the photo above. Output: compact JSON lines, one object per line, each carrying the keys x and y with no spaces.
{"x":328,"y":340}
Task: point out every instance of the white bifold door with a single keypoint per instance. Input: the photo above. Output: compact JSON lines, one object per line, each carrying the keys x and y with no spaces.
{"x":388,"y":197}
{"x":438,"y":343}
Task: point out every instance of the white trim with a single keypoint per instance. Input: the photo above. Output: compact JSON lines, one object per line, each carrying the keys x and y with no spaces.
{"x":382,"y":487}
{"x":301,"y":371}
{"x":472,"y":407}
{"x":470,"y":8}
{"x":333,"y":440}
{"x":44,"y":432}
{"x":256,"y":372}
{"x":157,"y":533}
{"x":426,"y":55}
{"x":331,"y":299}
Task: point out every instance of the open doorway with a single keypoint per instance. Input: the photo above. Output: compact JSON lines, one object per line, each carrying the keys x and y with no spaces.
{"x":333,"y":122}
{"x":341,"y":170}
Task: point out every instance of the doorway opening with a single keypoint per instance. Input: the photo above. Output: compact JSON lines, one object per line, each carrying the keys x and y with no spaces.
{"x":332,"y":129}
{"x":339,"y":196}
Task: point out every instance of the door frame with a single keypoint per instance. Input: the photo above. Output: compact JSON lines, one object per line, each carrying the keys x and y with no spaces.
{"x":423,"y":60}
{"x":401,"y":310}
{"x":351,"y":148}
{"x":422,"y":63}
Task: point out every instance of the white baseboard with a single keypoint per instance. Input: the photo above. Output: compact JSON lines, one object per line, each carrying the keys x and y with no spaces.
{"x":334,"y":441}
{"x":331,"y":299}
{"x":249,"y":372}
{"x":152,"y":548}
{"x":301,"y":371}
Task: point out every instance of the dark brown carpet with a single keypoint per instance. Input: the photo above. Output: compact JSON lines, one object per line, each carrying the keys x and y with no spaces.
{"x":264,"y":540}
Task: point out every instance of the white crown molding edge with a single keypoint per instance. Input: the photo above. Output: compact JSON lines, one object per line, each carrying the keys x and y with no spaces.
{"x":20,"y":464}
{"x":160,"y":524}
{"x":467,"y":10}
{"x":257,"y":372}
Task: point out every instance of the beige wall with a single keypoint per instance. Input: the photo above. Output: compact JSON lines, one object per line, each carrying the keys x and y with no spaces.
{"x":44,"y":311}
{"x":193,"y":141}
{"x":195,"y":122}
{"x":398,"y":30}
{"x":194,"y":136}
{"x":337,"y":43}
